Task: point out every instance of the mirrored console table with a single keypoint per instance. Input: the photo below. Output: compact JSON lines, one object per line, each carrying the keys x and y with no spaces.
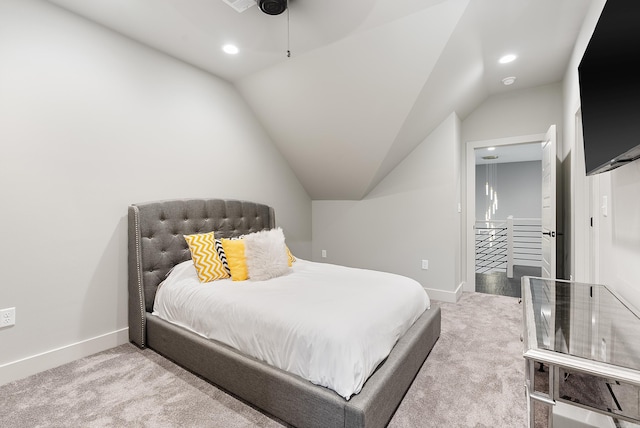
{"x":582,"y":348}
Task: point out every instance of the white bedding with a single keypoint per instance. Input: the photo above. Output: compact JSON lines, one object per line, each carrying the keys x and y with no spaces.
{"x":329,"y":324}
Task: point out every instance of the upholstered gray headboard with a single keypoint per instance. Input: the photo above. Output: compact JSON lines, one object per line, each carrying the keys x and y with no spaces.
{"x":156,"y":242}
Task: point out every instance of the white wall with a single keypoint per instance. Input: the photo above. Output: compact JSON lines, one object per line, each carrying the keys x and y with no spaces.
{"x":616,"y":235}
{"x":519,"y":190}
{"x":514,"y":113}
{"x":411,"y":215}
{"x":580,"y":262}
{"x":423,"y":185}
{"x":89,"y":123}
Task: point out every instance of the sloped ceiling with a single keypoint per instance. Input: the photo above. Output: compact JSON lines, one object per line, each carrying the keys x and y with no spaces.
{"x":367,"y":80}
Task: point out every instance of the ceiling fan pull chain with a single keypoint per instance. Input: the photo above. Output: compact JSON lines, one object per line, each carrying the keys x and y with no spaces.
{"x":288,"y":33}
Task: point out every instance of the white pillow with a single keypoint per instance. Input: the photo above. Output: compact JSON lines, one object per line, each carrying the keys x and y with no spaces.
{"x":184,"y":270}
{"x":266,"y":254}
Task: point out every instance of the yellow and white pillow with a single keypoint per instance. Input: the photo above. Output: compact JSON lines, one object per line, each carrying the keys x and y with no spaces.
{"x":205,"y":257}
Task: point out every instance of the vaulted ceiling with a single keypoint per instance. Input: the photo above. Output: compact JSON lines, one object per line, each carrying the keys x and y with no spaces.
{"x":367,"y":80}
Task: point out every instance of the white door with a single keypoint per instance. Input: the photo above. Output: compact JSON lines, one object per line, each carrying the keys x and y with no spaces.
{"x":549,"y":160}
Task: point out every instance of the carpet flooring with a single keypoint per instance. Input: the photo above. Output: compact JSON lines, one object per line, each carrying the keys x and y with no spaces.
{"x":473,"y":378}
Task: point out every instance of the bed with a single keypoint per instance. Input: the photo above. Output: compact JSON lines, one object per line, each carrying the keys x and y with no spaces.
{"x":156,"y":245}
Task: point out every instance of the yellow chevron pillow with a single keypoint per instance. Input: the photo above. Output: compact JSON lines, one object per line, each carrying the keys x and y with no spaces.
{"x":205,"y":257}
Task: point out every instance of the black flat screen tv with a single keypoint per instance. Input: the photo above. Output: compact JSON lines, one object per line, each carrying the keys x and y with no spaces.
{"x":610,"y":88}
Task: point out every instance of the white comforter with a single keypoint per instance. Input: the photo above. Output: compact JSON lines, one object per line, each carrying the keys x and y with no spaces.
{"x":329,"y":324}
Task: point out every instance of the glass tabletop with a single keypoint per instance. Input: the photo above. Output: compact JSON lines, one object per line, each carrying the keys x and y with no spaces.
{"x":582,"y":320}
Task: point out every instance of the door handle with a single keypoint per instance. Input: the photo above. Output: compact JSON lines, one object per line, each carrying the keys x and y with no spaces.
{"x":551,"y":234}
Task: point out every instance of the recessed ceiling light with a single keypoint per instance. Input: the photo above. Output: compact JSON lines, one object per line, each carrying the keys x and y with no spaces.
{"x":507,"y":59}
{"x":230,"y":49}
{"x":509,"y":80}
{"x":491,"y":148}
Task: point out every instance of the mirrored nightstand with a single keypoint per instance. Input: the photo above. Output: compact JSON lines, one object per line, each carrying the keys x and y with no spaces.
{"x":581,"y":348}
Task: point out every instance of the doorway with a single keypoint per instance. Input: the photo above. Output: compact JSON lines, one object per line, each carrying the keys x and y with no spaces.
{"x":503,"y":213}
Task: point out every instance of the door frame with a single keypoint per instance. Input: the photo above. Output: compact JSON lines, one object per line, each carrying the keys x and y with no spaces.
{"x":584,"y":217}
{"x":470,"y":212}
{"x":552,"y":235}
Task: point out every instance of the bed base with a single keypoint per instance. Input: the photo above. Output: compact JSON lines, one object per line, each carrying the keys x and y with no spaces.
{"x":291,"y":398}
{"x":156,"y":245}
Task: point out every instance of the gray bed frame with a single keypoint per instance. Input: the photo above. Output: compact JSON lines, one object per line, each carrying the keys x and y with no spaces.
{"x":156,"y":244}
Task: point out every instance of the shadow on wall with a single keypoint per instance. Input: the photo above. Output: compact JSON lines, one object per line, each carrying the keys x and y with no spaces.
{"x":565,"y":226}
{"x":108,"y":285}
{"x":625,"y":206}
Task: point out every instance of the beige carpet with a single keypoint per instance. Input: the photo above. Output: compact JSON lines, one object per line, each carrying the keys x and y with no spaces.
{"x":472,"y":378}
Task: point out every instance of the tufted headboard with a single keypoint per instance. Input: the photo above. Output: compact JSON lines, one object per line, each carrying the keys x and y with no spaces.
{"x":156,"y":242}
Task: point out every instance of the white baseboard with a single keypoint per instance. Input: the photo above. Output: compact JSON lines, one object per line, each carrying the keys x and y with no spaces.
{"x":459,"y":290}
{"x":446,"y":296}
{"x":28,"y":366}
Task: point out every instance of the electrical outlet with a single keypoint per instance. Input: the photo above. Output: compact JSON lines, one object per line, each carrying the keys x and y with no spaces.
{"x":7,"y":317}
{"x":324,"y":254}
{"x":425,"y":264}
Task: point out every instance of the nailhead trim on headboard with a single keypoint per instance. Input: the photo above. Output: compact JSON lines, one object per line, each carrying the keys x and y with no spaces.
{"x":139,"y":277}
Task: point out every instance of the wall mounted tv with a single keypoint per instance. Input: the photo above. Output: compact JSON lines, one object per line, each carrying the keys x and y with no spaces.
{"x":610,"y":88}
